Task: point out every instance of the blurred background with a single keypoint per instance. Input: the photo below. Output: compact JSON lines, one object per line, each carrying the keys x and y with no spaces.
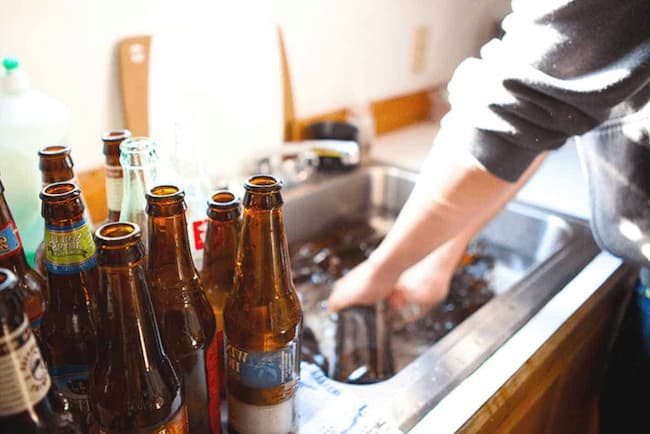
{"x":219,"y":63}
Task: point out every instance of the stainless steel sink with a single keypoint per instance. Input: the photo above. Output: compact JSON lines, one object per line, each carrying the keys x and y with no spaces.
{"x":537,"y":252}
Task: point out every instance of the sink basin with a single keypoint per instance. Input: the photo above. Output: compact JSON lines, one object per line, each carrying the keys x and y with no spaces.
{"x":536,"y":253}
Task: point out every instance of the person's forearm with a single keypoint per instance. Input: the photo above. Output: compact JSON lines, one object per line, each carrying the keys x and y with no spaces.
{"x":457,"y":245}
{"x":454,"y":197}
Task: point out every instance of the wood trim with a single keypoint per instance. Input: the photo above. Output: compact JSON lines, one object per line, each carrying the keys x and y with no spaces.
{"x":287,"y":90}
{"x":134,"y":54}
{"x":389,"y":114}
{"x":398,"y":112}
{"x":556,"y":389}
{"x":93,"y":186}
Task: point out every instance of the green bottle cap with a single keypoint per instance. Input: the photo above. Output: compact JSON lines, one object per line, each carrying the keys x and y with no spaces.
{"x":10,"y":63}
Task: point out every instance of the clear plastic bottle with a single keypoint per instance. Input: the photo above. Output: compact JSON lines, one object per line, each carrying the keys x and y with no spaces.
{"x":28,"y":119}
{"x":139,"y":161}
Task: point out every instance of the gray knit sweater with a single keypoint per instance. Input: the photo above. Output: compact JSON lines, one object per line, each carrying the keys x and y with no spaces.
{"x":562,"y":68}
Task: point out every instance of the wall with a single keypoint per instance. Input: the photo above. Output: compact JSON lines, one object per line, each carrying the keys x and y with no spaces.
{"x":340,"y":51}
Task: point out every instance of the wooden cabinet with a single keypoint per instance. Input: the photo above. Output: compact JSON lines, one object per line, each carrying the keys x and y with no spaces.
{"x":556,"y":390}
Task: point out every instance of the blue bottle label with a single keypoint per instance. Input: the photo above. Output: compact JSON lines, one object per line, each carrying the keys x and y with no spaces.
{"x":262,"y":370}
{"x":9,"y":240}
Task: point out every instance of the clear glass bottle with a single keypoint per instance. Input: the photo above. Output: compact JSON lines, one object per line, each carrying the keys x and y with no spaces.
{"x":139,"y":161}
{"x":186,"y":164}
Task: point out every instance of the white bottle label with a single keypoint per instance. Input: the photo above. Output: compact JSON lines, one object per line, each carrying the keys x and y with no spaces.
{"x":263,"y":370}
{"x":114,"y":185}
{"x":262,"y":419}
{"x":24,"y":379}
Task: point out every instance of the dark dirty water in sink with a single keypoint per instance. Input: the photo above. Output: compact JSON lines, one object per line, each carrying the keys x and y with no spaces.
{"x":362,"y":345}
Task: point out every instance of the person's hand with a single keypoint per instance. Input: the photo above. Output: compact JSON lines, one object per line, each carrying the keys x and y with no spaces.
{"x":426,"y":283}
{"x":363,"y":285}
{"x":421,"y":286}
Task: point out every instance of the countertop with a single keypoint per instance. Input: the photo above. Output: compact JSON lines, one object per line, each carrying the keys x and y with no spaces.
{"x":558,"y":185}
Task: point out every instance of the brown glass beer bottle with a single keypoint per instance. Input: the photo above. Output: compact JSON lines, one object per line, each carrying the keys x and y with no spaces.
{"x":183,"y":312}
{"x":262,"y":319}
{"x":114,"y":175}
{"x":56,"y":165}
{"x":12,"y":257}
{"x":219,"y":254}
{"x":68,"y":332}
{"x":27,"y":401}
{"x":134,"y":387}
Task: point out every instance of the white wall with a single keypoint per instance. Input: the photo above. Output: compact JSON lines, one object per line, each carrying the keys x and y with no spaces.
{"x":340,"y":51}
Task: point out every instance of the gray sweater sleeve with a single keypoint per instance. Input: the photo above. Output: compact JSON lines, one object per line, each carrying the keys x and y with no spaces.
{"x":562,"y":68}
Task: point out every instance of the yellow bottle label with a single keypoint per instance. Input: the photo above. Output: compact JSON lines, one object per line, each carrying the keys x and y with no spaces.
{"x":69,"y":249}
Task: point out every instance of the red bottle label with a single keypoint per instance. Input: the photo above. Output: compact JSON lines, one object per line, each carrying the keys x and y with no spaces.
{"x":9,"y":240}
{"x":198,"y":233}
{"x":214,"y":364}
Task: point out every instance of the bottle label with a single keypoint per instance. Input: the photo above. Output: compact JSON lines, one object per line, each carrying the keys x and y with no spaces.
{"x":69,"y":249}
{"x":114,"y":185}
{"x":178,"y":425}
{"x":213,"y":370}
{"x":268,"y":419}
{"x":262,"y":370}
{"x":198,"y":233}
{"x":24,"y":380}
{"x":72,"y":382}
{"x":9,"y":240}
{"x":275,"y":412}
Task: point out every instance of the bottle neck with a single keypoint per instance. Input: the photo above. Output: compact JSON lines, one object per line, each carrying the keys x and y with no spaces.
{"x":220,"y":253}
{"x":128,"y":330}
{"x":12,"y":255}
{"x":263,"y":255}
{"x":173,"y":258}
{"x":114,"y":187}
{"x":136,"y":182}
{"x":57,"y":175}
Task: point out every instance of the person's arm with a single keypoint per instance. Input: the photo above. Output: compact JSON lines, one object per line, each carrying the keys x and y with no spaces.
{"x":426,"y":283}
{"x":434,"y":227}
{"x":559,"y":71}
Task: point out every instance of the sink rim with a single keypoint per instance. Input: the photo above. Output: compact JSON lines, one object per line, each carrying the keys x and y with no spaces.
{"x":419,"y":386}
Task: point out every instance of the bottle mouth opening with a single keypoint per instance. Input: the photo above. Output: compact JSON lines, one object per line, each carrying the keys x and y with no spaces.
{"x":136,"y":145}
{"x":263,"y":183}
{"x":223,"y":199}
{"x":54,"y":151}
{"x":7,"y":279}
{"x":60,"y":190}
{"x":116,"y":135}
{"x":162,"y":192}
{"x":117,"y":232}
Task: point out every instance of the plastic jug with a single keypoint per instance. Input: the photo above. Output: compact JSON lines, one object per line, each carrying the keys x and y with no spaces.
{"x":29,"y":119}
